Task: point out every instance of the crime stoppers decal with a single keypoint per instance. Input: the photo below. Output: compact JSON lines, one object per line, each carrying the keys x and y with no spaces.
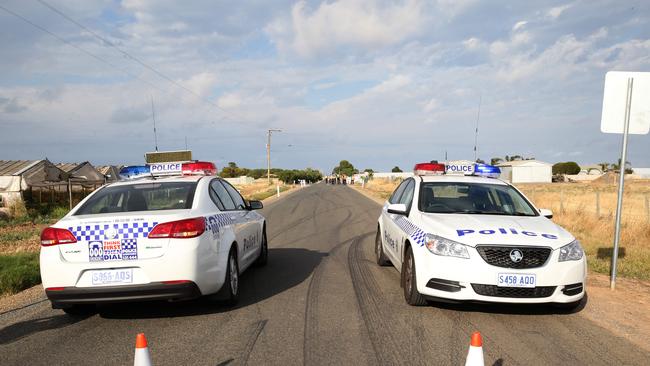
{"x":113,"y":250}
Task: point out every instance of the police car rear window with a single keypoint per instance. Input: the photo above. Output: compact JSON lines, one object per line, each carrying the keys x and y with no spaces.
{"x":473,"y":198}
{"x":150,"y":196}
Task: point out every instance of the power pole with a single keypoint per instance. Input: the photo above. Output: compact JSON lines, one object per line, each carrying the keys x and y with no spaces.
{"x":268,"y":153}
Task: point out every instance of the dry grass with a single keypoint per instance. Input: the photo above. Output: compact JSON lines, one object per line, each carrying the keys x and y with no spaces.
{"x":261,"y":189}
{"x":20,"y":238}
{"x":575,"y":208}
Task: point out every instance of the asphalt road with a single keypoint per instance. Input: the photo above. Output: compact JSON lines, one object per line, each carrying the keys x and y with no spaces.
{"x":320,"y":300}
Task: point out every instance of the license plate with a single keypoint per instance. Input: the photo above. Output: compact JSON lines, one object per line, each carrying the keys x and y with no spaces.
{"x":516,"y":280}
{"x":113,"y":276}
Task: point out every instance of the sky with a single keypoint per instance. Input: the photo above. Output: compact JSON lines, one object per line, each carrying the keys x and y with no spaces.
{"x":378,"y":83}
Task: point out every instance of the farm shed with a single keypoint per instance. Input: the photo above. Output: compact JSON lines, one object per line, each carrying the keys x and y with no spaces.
{"x":526,"y":171}
{"x":110,"y":172}
{"x":19,"y":176}
{"x":83,"y":174}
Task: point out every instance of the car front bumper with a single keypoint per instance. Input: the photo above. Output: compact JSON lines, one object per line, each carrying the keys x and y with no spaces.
{"x":460,"y":280}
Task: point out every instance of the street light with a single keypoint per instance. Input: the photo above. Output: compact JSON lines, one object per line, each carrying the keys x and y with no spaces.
{"x":268,"y":154}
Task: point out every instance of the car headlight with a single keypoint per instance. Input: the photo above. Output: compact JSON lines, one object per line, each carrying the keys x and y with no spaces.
{"x":442,"y":246}
{"x":571,"y":252}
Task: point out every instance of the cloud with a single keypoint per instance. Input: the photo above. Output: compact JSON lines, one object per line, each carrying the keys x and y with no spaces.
{"x":135,"y":114}
{"x":366,"y":24}
{"x":11,"y":105}
{"x":556,"y":11}
{"x":519,"y":25}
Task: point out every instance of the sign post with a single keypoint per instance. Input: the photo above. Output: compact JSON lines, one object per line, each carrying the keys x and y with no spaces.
{"x":635,"y":110}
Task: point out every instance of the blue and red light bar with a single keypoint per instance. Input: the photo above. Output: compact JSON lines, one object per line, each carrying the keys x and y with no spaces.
{"x":168,"y":169}
{"x":458,"y":168}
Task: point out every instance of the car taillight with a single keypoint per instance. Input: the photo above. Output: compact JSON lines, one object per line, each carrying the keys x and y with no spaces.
{"x":182,"y":229}
{"x":55,"y":236}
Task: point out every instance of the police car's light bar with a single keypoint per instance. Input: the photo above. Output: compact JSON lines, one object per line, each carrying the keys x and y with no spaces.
{"x":429,"y":169}
{"x":485,"y":170}
{"x":134,"y":172}
{"x":199,"y":168}
{"x":168,"y":169}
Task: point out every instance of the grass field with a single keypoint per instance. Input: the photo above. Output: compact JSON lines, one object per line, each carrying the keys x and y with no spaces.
{"x":18,"y":272}
{"x":587,"y":210}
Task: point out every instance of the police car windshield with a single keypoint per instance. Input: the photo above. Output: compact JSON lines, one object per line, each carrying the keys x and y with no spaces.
{"x":473,"y":198}
{"x":150,"y":196}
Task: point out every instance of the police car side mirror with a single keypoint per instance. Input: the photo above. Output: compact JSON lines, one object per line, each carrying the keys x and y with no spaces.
{"x":397,"y":208}
{"x":546,"y":213}
{"x":255,"y":205}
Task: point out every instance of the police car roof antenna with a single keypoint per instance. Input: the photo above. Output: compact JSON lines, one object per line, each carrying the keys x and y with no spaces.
{"x":478,"y":116}
{"x":153,"y":116}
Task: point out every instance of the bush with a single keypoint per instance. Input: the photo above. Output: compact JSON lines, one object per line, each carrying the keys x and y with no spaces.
{"x":58,"y":212}
{"x":18,"y":272}
{"x":569,"y":167}
{"x":17,"y":209}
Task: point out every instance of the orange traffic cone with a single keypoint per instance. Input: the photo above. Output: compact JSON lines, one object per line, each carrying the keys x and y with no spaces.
{"x":142,"y":357}
{"x":475,"y":353}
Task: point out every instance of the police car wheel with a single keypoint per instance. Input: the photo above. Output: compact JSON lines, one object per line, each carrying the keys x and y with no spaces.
{"x":409,"y":282}
{"x":264,"y":253}
{"x":231,"y":284}
{"x":80,"y":310}
{"x":379,"y":250}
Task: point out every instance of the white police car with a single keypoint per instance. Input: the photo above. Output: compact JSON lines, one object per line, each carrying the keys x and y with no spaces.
{"x":456,"y":233}
{"x":178,"y":235}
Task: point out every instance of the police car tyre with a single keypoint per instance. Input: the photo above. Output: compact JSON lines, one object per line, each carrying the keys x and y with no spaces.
{"x":264,"y":253}
{"x":409,"y":280}
{"x":379,"y":249}
{"x":80,"y":310}
{"x":231,"y":285}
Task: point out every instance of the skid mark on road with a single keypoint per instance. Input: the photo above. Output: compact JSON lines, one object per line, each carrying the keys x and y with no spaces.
{"x":388,"y":342}
{"x":252,"y":339}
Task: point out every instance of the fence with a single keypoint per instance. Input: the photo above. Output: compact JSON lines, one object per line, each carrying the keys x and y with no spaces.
{"x":591,"y":199}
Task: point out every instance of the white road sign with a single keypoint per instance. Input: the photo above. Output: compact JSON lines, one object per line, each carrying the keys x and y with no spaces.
{"x":614,"y":102}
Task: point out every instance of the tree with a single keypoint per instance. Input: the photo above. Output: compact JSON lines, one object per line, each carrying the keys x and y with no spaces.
{"x":617,"y":167}
{"x":396,"y":170}
{"x":231,"y":171}
{"x":345,"y":168}
{"x":569,"y":167}
{"x":369,"y":171}
{"x":495,"y":161}
{"x":480,"y":161}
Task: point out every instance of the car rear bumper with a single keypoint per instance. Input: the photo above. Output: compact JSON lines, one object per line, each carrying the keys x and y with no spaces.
{"x":111,"y":294}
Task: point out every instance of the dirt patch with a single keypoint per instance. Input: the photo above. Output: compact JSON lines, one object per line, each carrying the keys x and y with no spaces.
{"x":624,"y":311}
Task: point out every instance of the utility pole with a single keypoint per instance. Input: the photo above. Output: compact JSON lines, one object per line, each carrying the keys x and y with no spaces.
{"x":268,"y":153}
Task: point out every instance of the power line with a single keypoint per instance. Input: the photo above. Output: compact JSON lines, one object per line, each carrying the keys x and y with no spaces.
{"x":129,"y":56}
{"x":79,"y":48}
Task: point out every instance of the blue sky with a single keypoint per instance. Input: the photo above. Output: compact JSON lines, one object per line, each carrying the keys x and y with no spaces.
{"x":379,"y":83}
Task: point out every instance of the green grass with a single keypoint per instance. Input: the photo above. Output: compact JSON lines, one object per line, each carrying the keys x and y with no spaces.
{"x":14,"y":236}
{"x":18,"y":272}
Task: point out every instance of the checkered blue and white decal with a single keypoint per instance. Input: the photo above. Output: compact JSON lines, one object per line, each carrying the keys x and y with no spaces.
{"x":126,"y":230}
{"x":414,"y":232}
{"x":215,"y":222}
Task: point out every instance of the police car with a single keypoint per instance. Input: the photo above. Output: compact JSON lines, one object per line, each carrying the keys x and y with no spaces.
{"x":170,"y":231}
{"x":457,"y":233}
